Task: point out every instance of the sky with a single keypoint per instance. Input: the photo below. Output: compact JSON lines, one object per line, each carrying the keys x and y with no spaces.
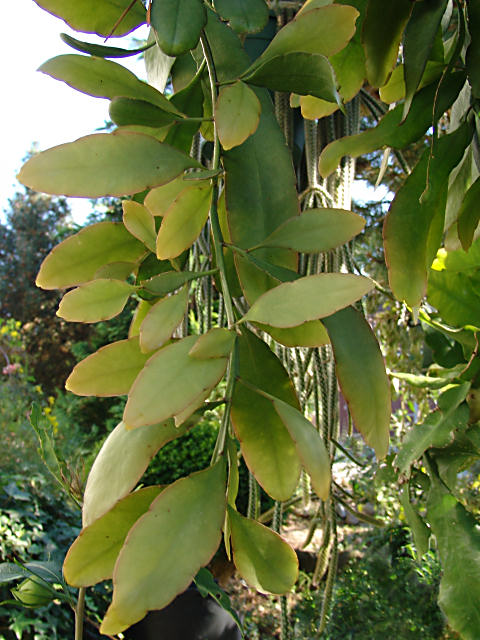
{"x":35,"y":108}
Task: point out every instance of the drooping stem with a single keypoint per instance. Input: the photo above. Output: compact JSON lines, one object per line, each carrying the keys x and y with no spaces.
{"x":79,"y":613}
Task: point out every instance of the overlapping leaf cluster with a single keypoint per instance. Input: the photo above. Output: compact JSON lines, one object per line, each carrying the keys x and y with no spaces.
{"x":241,"y":199}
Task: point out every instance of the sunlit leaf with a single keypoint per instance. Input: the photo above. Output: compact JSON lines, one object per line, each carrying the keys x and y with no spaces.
{"x":261,"y":556}
{"x":115,"y":164}
{"x":110,"y":371}
{"x":455,"y":296}
{"x":308,"y":334}
{"x":237,"y":114}
{"x":159,"y":199}
{"x":115,"y":270}
{"x":308,"y":298}
{"x":382,"y":33}
{"x":103,"y":79}
{"x":77,"y":259}
{"x":420,"y":531}
{"x":100,"y":50}
{"x":183,"y":220}
{"x":362,"y":376}
{"x":139,"y":221}
{"x":316,"y":230}
{"x":266,"y":445}
{"x":162,"y":320}
{"x":185,"y":521}
{"x":95,"y":301}
{"x":310,"y":447}
{"x":170,"y":381}
{"x":394,"y":89}
{"x":169,"y":281}
{"x":121,"y":463}
{"x":92,"y":556}
{"x":177,"y":24}
{"x":91,"y":16}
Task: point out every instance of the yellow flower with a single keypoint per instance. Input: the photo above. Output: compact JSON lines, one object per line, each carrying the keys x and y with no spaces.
{"x":51,"y":400}
{"x":38,"y":388}
{"x":47,"y":410}
{"x":4,"y":330}
{"x":14,"y":334}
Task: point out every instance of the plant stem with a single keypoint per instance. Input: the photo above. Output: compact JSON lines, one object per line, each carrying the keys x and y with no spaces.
{"x":79,"y":612}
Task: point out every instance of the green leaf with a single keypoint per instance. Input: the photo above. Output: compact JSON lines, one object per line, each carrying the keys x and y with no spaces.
{"x":414,"y":225}
{"x":266,"y":445}
{"x":100,"y":50}
{"x":109,"y":481}
{"x":207,"y":586}
{"x":128,"y":111}
{"x":92,"y":556}
{"x":170,"y":280}
{"x":158,"y":200}
{"x":110,"y":371}
{"x":139,"y":314}
{"x":437,"y":429}
{"x":237,"y":114}
{"x":419,"y":37}
{"x":303,"y":73}
{"x":216,"y":343}
{"x":115,"y":164}
{"x":316,"y":231}
{"x":310,"y":447}
{"x":157,"y":64}
{"x":420,"y":531}
{"x":472,"y":57}
{"x":469,"y":215}
{"x":455,"y":296}
{"x":422,"y":382}
{"x":103,"y":79}
{"x":261,"y":556}
{"x":78,"y":258}
{"x":458,"y":541}
{"x":184,"y":220}
{"x":139,"y":221}
{"x":177,"y":24}
{"x":323,"y":31}
{"x":308,"y":298}
{"x":95,"y":301}
{"x":308,"y":334}
{"x":382,"y":33}
{"x":185,"y":521}
{"x":171,"y":381}
{"x":90,"y":16}
{"x":362,"y":377}
{"x":244,"y":16}
{"x":389,"y":132}
{"x":162,"y":320}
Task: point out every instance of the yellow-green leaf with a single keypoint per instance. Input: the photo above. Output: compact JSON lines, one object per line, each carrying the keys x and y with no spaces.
{"x":92,"y":556}
{"x":362,"y":376}
{"x":104,"y":164}
{"x":95,"y":301}
{"x":237,"y":114}
{"x":121,"y":463}
{"x":103,"y":79}
{"x":140,"y":222}
{"x":183,"y":221}
{"x":159,"y":199}
{"x":162,"y":319}
{"x":139,"y":314}
{"x":185,"y":521}
{"x":78,"y":258}
{"x":308,"y":298}
{"x":110,"y":371}
{"x":115,"y":270}
{"x":316,"y":231}
{"x":91,"y":16}
{"x":310,"y":447}
{"x":308,"y":334}
{"x":266,"y":445}
{"x":261,"y":556}
{"x":170,"y":381}
{"x":216,"y":343}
